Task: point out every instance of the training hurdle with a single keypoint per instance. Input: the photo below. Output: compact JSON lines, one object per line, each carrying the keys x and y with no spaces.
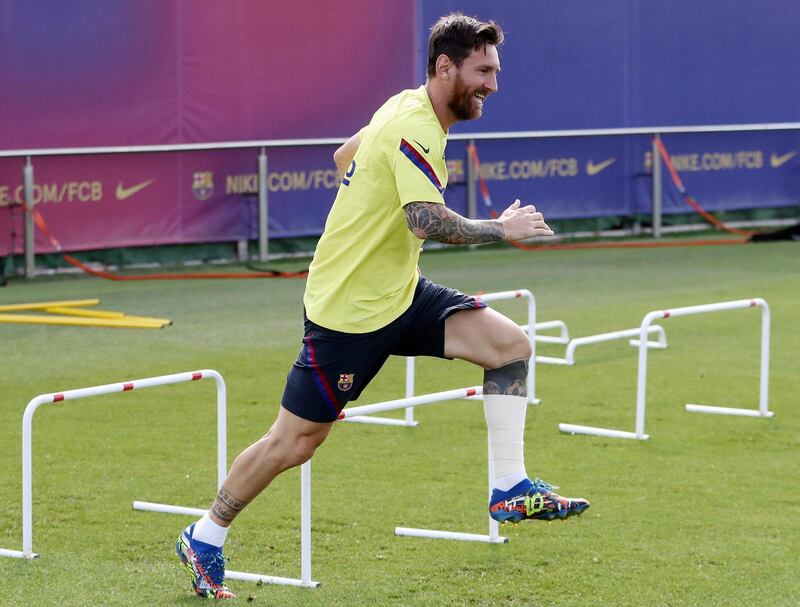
{"x":645,"y":327}
{"x":138,"y":384}
{"x":561,"y":338}
{"x":409,"y":421}
{"x":493,"y":537}
{"x":569,"y":356}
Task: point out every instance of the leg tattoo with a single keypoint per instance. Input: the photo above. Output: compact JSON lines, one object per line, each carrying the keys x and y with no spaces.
{"x":226,"y":507}
{"x":510,"y":379}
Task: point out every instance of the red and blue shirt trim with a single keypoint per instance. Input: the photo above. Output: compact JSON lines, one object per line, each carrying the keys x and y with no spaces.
{"x":419,"y":161}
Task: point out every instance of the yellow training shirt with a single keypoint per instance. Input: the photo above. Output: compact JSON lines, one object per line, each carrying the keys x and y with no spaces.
{"x":364,"y":270}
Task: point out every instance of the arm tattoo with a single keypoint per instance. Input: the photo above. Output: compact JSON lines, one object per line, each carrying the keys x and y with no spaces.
{"x":226,"y":507}
{"x":437,"y":222}
{"x":508,"y":379}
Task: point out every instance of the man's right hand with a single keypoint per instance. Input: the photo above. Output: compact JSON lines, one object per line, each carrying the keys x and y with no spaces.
{"x":521,"y":222}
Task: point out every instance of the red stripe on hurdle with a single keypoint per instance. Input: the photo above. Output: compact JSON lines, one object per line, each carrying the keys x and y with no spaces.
{"x":127,"y":387}
{"x":58,"y":398}
{"x":196,"y":376}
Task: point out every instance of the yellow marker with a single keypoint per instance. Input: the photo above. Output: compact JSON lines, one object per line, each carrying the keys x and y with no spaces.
{"x":103,"y":314}
{"x":69,"y":311}
{"x":163,"y":321}
{"x":122,"y":323}
{"x":48,"y":304}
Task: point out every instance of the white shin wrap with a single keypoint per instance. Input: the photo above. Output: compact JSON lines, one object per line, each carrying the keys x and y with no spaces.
{"x":505,"y":421}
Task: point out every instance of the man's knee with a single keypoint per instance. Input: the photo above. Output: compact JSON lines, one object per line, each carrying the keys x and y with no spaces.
{"x":286,"y":450}
{"x":304,"y":449}
{"x":522,"y":346}
{"x":511,"y":346}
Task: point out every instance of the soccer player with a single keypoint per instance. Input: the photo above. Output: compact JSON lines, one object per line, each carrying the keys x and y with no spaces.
{"x":365,"y":299}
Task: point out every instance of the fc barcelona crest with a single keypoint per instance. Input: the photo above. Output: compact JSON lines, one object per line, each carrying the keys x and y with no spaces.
{"x":345,"y":381}
{"x":203,"y":185}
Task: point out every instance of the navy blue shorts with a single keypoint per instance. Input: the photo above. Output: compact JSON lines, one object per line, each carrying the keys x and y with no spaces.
{"x":334,"y":367}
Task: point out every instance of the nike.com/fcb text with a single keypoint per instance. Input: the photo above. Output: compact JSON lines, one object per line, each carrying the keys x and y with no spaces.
{"x":70,"y":191}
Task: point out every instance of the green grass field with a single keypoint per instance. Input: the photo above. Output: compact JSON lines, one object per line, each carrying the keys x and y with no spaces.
{"x":704,"y":513}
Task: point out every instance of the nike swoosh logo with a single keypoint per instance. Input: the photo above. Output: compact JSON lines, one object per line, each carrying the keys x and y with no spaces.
{"x":424,"y":149}
{"x":123,"y":193}
{"x":594,"y":169}
{"x":778,"y":161}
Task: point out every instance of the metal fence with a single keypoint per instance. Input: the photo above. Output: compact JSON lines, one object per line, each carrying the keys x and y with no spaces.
{"x":262,"y":145}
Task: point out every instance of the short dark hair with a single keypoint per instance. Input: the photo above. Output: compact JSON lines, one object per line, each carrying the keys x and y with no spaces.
{"x":457,"y":35}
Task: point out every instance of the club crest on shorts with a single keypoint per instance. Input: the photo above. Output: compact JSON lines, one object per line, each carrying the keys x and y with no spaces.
{"x":345,"y":381}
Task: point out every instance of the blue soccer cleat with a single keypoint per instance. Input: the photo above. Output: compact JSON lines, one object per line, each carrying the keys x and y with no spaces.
{"x":533,"y":500}
{"x":206,"y":567}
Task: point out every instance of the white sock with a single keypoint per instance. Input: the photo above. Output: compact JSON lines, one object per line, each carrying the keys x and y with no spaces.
{"x":207,"y":531}
{"x":505,"y":420}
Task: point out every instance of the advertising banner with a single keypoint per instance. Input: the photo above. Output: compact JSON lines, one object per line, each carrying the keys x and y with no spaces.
{"x":731,"y":171}
{"x":172,"y":198}
{"x":108,"y":201}
{"x":89,"y":73}
{"x":583,"y":177}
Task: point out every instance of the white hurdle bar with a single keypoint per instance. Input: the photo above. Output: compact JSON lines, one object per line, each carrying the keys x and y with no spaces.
{"x":762,"y":411}
{"x":569,"y":356}
{"x":531,"y":381}
{"x":305,"y":580}
{"x":414,"y":401}
{"x":563,"y":333}
{"x":409,"y":420}
{"x":493,"y":537}
{"x":57,"y":397}
{"x":127,"y":386}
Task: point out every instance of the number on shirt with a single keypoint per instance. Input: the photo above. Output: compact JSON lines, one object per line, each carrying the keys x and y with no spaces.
{"x":349,"y":174}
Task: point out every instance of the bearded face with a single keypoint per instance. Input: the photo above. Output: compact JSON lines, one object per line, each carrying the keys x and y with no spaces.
{"x":466,"y":102}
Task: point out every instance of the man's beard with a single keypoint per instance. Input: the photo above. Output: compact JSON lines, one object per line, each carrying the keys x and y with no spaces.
{"x":463,"y":103}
